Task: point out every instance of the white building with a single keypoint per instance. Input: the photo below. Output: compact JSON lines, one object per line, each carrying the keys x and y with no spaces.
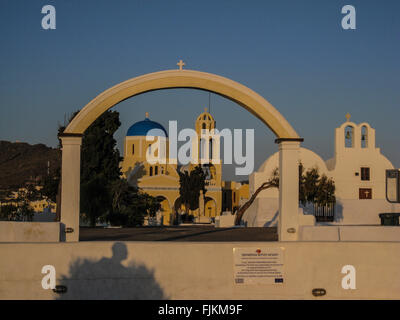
{"x":358,"y":169}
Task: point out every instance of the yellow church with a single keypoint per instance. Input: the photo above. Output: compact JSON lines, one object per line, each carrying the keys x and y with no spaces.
{"x":162,"y":180}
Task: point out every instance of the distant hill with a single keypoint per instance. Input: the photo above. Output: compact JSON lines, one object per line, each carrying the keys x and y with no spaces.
{"x":21,"y":163}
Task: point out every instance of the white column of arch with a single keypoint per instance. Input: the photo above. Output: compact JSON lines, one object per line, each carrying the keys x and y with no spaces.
{"x":289,"y":153}
{"x":70,"y":186}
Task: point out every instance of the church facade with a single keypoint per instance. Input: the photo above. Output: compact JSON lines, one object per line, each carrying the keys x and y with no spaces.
{"x":161,"y":180}
{"x":358,"y":169}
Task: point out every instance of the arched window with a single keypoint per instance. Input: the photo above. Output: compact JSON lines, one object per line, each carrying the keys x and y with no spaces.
{"x":133,"y":148}
{"x":151,"y":171}
{"x":156,"y":170}
{"x":364,"y":137}
{"x":211,"y":149}
{"x":203,"y":126}
{"x":349,"y":137}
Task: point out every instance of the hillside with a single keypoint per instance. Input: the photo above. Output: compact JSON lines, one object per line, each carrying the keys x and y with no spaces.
{"x":21,"y":162}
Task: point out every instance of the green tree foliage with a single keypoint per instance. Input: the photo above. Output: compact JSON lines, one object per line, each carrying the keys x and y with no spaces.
{"x":99,"y":153}
{"x":19,"y":209}
{"x":99,"y":166}
{"x":190,"y":185}
{"x":95,"y":199}
{"x":314,"y":188}
{"x":130,"y":205}
{"x":104,"y":195}
{"x":8,"y":212}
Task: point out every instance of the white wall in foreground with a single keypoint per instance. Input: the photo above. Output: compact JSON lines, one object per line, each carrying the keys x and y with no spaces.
{"x":193,"y":270}
{"x":263,"y":212}
{"x":21,"y":231}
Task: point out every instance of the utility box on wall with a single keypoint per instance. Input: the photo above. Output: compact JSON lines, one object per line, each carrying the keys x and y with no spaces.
{"x":393,"y":185}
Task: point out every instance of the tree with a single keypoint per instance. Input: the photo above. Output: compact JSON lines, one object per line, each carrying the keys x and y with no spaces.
{"x":19,"y":209}
{"x":190,"y":185}
{"x":273,"y":182}
{"x":99,"y":166}
{"x":9,"y":212}
{"x":95,"y":199}
{"x":104,"y":195}
{"x":313,"y":188}
{"x":99,"y":153}
{"x":130,"y":205}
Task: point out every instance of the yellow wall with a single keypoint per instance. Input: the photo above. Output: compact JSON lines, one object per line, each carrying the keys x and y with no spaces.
{"x":166,"y":182}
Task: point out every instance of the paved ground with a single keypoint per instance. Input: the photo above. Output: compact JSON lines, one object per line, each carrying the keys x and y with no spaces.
{"x":186,"y":233}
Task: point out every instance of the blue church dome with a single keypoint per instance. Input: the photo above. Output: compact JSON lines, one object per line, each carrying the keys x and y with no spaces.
{"x":141,"y":128}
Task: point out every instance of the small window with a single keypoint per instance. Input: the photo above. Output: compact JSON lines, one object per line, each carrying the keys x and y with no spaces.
{"x":156,"y":170}
{"x":365,"y":193}
{"x":133,"y":148}
{"x":365,"y":174}
{"x":203,"y":126}
{"x":151,"y":171}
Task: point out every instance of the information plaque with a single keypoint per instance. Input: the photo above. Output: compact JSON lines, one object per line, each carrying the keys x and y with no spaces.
{"x":258,"y":265}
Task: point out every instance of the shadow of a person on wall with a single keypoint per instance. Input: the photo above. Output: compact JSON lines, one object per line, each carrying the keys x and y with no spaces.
{"x":108,"y":279}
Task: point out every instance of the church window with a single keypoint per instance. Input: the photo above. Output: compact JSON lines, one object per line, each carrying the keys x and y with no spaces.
{"x":151,"y":171}
{"x":349,"y":137}
{"x":156,"y":170}
{"x":203,"y":126}
{"x":365,"y":174}
{"x":133,"y":148}
{"x":364,"y":137}
{"x":211,"y":149}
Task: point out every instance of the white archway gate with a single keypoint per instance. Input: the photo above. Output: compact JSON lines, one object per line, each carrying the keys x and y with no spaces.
{"x":287,"y":138}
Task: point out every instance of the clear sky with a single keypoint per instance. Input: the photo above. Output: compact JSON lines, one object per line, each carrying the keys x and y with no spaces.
{"x":293,"y":53}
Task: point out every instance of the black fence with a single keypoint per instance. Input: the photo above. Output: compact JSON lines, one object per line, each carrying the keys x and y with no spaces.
{"x":324,"y":213}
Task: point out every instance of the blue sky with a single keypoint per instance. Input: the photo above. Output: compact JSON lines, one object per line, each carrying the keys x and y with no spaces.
{"x":293,"y":53}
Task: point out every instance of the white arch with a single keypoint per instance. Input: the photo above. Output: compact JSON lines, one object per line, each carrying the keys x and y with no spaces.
{"x":230,"y":89}
{"x":288,"y":139}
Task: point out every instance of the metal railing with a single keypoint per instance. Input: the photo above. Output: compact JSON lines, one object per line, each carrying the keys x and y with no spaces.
{"x":324,"y":213}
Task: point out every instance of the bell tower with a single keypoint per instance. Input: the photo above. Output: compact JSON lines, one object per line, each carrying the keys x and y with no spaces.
{"x":208,"y":144}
